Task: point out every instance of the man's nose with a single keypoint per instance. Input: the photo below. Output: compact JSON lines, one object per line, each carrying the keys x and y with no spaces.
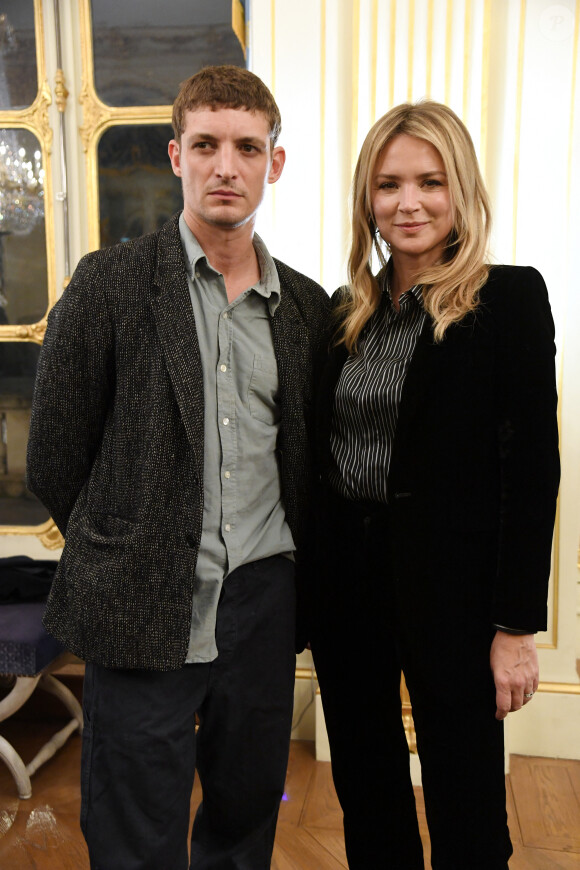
{"x":226,"y":162}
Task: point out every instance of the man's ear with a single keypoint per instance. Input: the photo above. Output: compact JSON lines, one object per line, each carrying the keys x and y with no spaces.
{"x":277,"y":165}
{"x":174,"y":156}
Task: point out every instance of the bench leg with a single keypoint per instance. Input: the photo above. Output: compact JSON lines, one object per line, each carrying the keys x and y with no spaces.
{"x":21,"y":691}
{"x":63,"y":693}
{"x":17,"y":769}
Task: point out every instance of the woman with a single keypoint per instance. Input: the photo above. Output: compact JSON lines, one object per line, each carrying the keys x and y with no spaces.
{"x":439,"y":470}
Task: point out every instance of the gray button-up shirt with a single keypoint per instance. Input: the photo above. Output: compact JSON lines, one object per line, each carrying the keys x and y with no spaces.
{"x":243,"y":516}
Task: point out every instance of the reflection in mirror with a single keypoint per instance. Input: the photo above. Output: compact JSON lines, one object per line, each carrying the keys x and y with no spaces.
{"x":142,"y":51}
{"x":18,"y":76}
{"x":23,"y":266}
{"x":138,"y":191}
{"x":18,"y":361}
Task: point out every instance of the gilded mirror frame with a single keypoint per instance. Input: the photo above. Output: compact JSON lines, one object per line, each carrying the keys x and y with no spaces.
{"x":99,"y":117}
{"x":35,"y":119}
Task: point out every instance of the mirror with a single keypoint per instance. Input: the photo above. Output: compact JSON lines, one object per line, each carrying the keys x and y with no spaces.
{"x":23,"y":266}
{"x":142,"y":51}
{"x":138,"y":191}
{"x":18,"y":361}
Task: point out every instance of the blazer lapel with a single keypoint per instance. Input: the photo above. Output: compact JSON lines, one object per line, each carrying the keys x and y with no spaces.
{"x":290,"y":339}
{"x":418,"y":377}
{"x":175,"y":324}
{"x":325,"y":389}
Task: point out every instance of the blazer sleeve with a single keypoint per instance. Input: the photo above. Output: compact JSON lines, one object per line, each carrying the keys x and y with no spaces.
{"x":527,"y":436}
{"x":72,"y":393}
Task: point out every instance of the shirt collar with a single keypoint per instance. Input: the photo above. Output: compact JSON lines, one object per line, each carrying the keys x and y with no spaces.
{"x":416,"y":291}
{"x":269,"y":284}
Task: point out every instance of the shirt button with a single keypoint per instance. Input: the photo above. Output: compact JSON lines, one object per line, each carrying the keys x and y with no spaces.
{"x":225,"y":421}
{"x":225,"y":315}
{"x":197,"y":274}
{"x":227,"y":527}
{"x":227,"y":474}
{"x":223,"y":368}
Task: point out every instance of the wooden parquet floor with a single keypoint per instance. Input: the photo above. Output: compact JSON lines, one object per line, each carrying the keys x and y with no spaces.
{"x":43,"y":833}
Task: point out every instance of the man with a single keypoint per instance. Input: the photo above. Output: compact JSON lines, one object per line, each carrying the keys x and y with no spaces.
{"x":169,"y":441}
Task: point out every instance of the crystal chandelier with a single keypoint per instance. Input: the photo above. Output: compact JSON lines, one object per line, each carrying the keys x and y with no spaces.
{"x":21,"y":185}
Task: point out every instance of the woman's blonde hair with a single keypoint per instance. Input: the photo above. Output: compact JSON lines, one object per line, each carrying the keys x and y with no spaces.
{"x":451,"y":288}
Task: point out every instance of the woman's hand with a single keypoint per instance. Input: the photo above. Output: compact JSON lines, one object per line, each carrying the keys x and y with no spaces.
{"x":514,"y":663}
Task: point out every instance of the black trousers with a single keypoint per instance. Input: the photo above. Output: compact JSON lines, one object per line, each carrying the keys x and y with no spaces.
{"x":140,"y":747}
{"x":366,"y":629}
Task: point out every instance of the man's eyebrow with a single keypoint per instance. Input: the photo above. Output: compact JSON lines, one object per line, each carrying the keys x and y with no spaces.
{"x":252,"y":140}
{"x":242,"y":140}
{"x":200,"y":136}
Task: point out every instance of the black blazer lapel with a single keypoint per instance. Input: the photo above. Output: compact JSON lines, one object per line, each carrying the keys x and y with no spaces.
{"x":175,"y":324}
{"x":327,"y":380}
{"x":417,"y":379}
{"x":291,"y":346}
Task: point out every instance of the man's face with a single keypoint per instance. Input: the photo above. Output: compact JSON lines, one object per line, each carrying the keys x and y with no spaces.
{"x":225,"y":161}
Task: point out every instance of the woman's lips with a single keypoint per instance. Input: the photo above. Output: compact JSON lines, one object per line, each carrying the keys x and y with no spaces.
{"x":409,"y":228}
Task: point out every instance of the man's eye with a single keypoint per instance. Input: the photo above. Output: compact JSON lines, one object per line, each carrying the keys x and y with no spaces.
{"x":248,"y":149}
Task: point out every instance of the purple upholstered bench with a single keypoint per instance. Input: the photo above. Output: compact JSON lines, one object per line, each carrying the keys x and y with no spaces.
{"x":27,"y":656}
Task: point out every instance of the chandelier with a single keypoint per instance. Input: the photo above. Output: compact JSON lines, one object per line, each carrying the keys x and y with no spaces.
{"x":21,"y":185}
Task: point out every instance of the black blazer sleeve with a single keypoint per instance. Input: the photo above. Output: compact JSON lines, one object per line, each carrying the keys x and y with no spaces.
{"x":72,"y":391}
{"x":527,"y":434}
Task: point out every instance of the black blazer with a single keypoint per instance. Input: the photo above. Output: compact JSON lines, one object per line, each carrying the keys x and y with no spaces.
{"x":116,"y":445}
{"x":474,"y":472}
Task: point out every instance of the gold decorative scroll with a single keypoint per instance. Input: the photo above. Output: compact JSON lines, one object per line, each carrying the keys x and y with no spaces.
{"x":47,"y":533}
{"x":60,"y":91}
{"x":25,"y":332}
{"x":239,"y":23}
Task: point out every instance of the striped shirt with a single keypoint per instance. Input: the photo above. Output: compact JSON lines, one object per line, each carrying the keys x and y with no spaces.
{"x":367,"y":398}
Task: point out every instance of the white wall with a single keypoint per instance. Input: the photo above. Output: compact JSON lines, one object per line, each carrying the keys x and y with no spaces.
{"x":509,"y":68}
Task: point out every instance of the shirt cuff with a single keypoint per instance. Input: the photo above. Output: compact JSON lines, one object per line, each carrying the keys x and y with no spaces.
{"x":512,"y":630}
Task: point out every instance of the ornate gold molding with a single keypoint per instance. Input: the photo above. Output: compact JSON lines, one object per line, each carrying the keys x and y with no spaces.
{"x":25,"y":332}
{"x":60,"y":91}
{"x":34,"y":117}
{"x":39,"y":114}
{"x":560,"y":688}
{"x":51,"y":537}
{"x":47,"y":533}
{"x":95,"y":113}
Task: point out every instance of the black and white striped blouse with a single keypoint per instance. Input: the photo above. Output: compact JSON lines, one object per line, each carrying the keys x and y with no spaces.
{"x":367,"y":397}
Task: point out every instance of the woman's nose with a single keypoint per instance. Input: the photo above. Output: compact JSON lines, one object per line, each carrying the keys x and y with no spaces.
{"x":409,"y":199}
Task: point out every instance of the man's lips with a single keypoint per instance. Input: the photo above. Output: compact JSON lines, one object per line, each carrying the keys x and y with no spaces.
{"x":224,"y":194}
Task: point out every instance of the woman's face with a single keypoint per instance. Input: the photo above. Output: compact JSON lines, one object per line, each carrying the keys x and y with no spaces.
{"x":411,"y":201}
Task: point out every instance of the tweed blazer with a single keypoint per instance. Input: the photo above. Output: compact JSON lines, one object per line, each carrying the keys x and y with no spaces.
{"x":474,"y":470}
{"x":116,"y":445}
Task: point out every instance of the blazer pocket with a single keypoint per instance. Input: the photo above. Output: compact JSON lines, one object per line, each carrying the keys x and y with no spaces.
{"x":102,"y":528}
